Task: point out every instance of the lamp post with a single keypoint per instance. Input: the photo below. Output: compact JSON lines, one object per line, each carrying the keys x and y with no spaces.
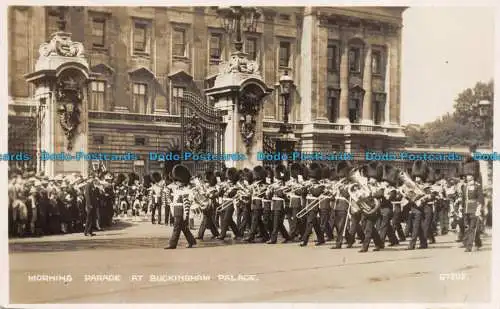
{"x":286,"y":142}
{"x":234,"y":18}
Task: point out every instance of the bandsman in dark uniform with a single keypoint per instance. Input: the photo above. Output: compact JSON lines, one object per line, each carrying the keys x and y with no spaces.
{"x":229,"y":196}
{"x":373,"y":172}
{"x":324,"y":205}
{"x":277,"y":195}
{"x":181,"y":203}
{"x":387,"y":207}
{"x":267,"y":215}
{"x":473,"y":201}
{"x":355,"y":215}
{"x":340,"y":202}
{"x":211,"y":193}
{"x":428,"y":206}
{"x":395,"y":197}
{"x":416,"y":215}
{"x":314,"y":195}
{"x":258,"y":189}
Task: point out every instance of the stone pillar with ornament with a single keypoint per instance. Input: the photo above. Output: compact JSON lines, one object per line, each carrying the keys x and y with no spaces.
{"x":239,"y":91}
{"x":61,"y":78}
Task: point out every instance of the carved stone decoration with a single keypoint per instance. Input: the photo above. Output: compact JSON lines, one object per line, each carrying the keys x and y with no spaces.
{"x":268,"y":144}
{"x":239,"y":63}
{"x":195,"y":136}
{"x":248,"y":107}
{"x":69,"y":95}
{"x":61,"y":45}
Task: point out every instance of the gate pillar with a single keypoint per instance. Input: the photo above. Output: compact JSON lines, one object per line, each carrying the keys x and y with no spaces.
{"x":60,"y":79}
{"x":239,"y":91}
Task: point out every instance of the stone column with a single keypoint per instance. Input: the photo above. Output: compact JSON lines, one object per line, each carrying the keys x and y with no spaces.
{"x":394,"y":84}
{"x":387,"y":86}
{"x":306,"y":66}
{"x":366,"y":117}
{"x":344,"y":85}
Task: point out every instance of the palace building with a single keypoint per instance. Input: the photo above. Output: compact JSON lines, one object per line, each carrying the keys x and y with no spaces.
{"x":345,"y":63}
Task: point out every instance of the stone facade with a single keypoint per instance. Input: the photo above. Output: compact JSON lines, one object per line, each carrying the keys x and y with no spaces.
{"x":345,"y":62}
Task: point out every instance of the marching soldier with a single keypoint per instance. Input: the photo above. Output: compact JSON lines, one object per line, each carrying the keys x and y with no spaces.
{"x":211,"y":194}
{"x":181,"y":203}
{"x":394,"y":196}
{"x":228,"y":200}
{"x":258,"y":189}
{"x":324,"y":205}
{"x":473,"y":201}
{"x":314,"y":195}
{"x":355,"y":215}
{"x":267,"y":217}
{"x":155,"y":198}
{"x":428,"y":206}
{"x":91,"y":200}
{"x":277,"y":195}
{"x":416,"y":215}
{"x":340,"y":203}
{"x":295,"y":197}
{"x":245,"y":203}
{"x":374,"y":174}
{"x":386,"y":207}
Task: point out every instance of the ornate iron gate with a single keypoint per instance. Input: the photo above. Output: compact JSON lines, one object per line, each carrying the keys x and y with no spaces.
{"x":202,"y":132}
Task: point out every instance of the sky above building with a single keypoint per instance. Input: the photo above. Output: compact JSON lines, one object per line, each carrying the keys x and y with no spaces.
{"x":445,"y":51}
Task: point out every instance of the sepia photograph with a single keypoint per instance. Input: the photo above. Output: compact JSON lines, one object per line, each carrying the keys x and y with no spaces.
{"x":246,"y":154}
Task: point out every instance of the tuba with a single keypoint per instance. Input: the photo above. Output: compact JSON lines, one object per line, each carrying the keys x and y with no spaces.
{"x":360,"y":192}
{"x":410,"y":189}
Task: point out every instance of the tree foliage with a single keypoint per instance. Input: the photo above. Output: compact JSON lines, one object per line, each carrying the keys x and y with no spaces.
{"x":463,"y":127}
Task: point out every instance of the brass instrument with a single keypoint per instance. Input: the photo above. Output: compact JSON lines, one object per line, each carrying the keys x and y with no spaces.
{"x":309,"y":207}
{"x":360,"y":193}
{"x":410,"y":189}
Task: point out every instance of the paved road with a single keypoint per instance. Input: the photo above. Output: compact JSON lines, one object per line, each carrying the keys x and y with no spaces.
{"x":243,"y":272}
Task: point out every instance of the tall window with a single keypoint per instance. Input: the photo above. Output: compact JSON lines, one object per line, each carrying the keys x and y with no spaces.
{"x":332,"y":105}
{"x":139,"y":98}
{"x":332,"y":58}
{"x":251,"y":48}
{"x":140,"y":36}
{"x":177,"y":94}
{"x":179,"y":43}
{"x":98,"y":95}
{"x":355,"y":59}
{"x":53,"y":19}
{"x":98,"y":32}
{"x":377,"y":112}
{"x":355,"y":106}
{"x":284,"y":54}
{"x":215,"y":47}
{"x":376,"y":62}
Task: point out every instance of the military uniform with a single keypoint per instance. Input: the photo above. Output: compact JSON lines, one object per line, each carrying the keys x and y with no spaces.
{"x":181,"y":203}
{"x":416,"y":215}
{"x":211,"y":194}
{"x":157,"y":198}
{"x":340,"y":204}
{"x":295,"y":201}
{"x":229,"y":195}
{"x":258,"y":189}
{"x":314,"y":195}
{"x":473,"y":201}
{"x":276,"y":194}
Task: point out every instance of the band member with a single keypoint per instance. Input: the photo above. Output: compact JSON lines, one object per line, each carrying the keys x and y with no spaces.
{"x":297,"y":226}
{"x":340,"y":202}
{"x":374,"y":174}
{"x":395,"y":197}
{"x":267,"y":216}
{"x":91,"y":200}
{"x":259,"y":188}
{"x":181,"y":203}
{"x":155,"y":198}
{"x":211,"y":193}
{"x":314,"y":195}
{"x":473,"y":201}
{"x":386,"y":206}
{"x":355,"y":215}
{"x":228,"y":200}
{"x":324,"y":206}
{"x":245,"y":202}
{"x":416,"y":215}
{"x":121,"y":189}
{"x":428,"y":206}
{"x":277,"y":195}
